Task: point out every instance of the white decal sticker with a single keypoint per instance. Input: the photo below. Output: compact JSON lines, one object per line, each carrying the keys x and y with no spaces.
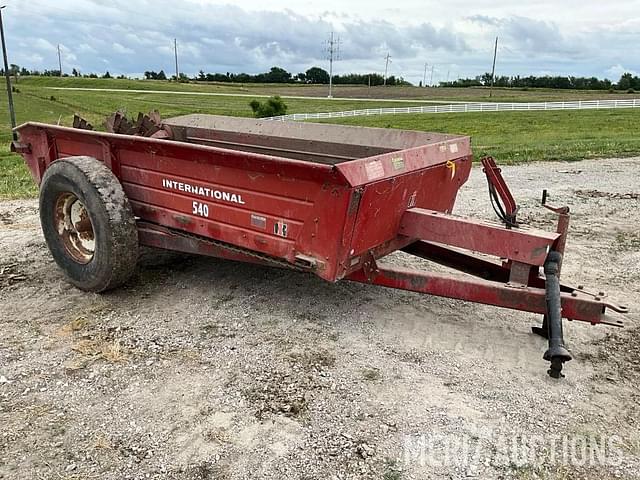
{"x":258,"y":221}
{"x":398,"y":163}
{"x":202,"y":191}
{"x":201,"y":209}
{"x":374,"y":169}
{"x":453,"y":147}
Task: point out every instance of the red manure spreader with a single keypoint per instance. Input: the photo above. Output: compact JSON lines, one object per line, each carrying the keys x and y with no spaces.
{"x":325,"y":199}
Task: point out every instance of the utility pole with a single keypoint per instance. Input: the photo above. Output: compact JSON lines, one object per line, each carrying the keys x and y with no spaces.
{"x":431,"y":81}
{"x":175,"y":51}
{"x":12,"y":112}
{"x":424,"y":75}
{"x":493,"y":69}
{"x":333,"y":51}
{"x":386,"y":68}
{"x":59,"y":60}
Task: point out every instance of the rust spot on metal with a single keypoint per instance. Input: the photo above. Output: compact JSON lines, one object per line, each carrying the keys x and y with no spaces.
{"x":74,"y":227}
{"x":538,"y":252}
{"x":354,"y":201}
{"x":182,"y":219}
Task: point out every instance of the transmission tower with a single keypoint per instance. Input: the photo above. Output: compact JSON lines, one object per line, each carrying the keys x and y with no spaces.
{"x":387,"y":59}
{"x":333,"y":54}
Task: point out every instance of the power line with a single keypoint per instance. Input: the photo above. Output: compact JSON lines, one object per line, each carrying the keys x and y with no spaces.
{"x":333,"y":52}
{"x":493,"y":69}
{"x":386,"y":67}
{"x":424,"y":75}
{"x":59,"y":60}
{"x":175,"y":50}
{"x":7,"y":74}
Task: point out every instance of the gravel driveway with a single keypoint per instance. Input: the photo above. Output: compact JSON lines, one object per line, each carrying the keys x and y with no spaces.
{"x":208,"y":369}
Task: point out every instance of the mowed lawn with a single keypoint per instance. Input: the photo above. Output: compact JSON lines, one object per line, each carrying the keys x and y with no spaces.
{"x":509,"y":136}
{"x":513,"y":137}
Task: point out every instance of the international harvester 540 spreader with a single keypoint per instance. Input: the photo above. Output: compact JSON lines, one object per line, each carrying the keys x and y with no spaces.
{"x":325,"y":199}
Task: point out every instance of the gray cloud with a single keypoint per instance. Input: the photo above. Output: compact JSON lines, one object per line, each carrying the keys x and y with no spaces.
{"x":531,"y":36}
{"x":136,"y":35}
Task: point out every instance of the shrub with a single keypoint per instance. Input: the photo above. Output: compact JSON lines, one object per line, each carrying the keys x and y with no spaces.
{"x":272,"y":107}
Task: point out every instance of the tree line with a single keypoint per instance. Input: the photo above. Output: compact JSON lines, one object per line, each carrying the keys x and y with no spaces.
{"x":17,"y":70}
{"x":317,"y":75}
{"x":314,"y":75}
{"x":627,"y":82}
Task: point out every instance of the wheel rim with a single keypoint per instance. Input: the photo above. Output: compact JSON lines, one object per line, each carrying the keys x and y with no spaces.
{"x":74,"y":226}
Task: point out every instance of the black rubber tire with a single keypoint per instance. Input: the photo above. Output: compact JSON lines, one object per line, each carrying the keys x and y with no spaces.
{"x":114,"y":227}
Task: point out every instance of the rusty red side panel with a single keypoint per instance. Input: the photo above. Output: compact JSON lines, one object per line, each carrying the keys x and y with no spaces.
{"x":275,"y":206}
{"x":384,"y":203}
{"x":323,"y":213}
{"x":427,"y":176}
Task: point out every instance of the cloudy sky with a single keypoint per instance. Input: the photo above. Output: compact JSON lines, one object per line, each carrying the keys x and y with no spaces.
{"x":556,"y":37}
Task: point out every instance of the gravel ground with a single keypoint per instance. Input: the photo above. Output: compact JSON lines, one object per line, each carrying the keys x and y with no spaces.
{"x":206,"y":369}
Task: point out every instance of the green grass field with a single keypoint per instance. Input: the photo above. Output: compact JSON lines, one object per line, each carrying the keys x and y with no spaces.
{"x":509,"y":136}
{"x":513,"y":137}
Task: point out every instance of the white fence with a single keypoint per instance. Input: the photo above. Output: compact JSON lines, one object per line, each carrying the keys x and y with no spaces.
{"x":470,"y":107}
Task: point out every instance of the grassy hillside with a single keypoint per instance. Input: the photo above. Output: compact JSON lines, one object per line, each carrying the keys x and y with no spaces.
{"x":509,"y":136}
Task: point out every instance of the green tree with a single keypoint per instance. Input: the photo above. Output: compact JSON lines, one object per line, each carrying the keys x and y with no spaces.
{"x":486,"y":78}
{"x":272,"y":107}
{"x":276,"y":75}
{"x":317,"y":75}
{"x":625,"y":82}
